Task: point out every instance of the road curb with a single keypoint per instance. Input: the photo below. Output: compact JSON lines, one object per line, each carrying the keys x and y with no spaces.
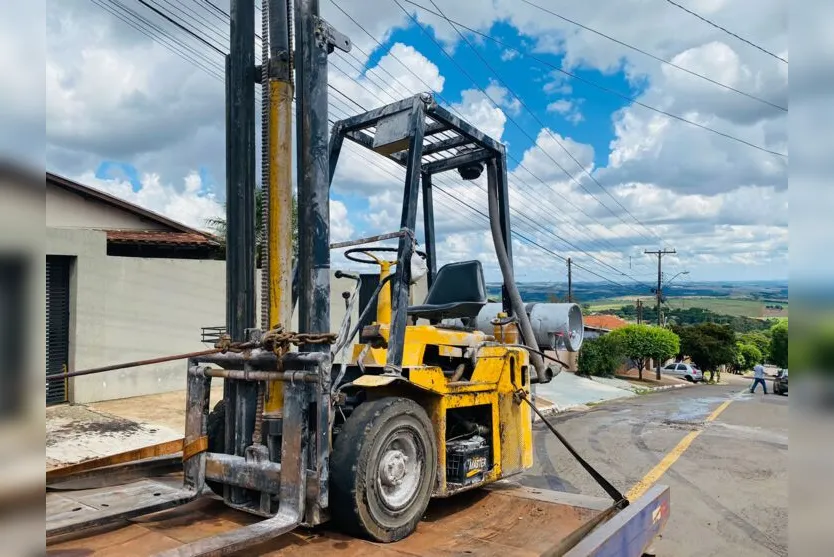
{"x":661,"y":388}
{"x":555,"y":410}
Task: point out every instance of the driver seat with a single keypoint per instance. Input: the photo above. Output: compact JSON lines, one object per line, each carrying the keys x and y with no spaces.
{"x":458,"y":292}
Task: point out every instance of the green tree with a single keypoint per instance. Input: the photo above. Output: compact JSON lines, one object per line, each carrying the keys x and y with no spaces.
{"x":759,"y":339}
{"x":218,"y":224}
{"x":642,"y":342}
{"x":748,"y":355}
{"x":779,"y":344}
{"x":709,"y":345}
{"x":600,"y":356}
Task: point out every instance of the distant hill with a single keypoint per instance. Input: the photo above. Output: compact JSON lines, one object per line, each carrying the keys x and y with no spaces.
{"x":770,"y":292}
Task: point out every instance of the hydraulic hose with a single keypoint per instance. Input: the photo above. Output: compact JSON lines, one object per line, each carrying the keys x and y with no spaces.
{"x":507,"y":273}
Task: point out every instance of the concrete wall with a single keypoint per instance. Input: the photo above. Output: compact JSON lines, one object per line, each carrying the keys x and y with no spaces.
{"x":125,"y":309}
{"x":65,"y":209}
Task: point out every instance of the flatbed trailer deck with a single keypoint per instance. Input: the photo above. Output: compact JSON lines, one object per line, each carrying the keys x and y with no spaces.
{"x":501,"y":520}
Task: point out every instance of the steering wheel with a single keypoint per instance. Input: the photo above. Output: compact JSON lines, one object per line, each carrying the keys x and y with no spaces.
{"x":371,"y":260}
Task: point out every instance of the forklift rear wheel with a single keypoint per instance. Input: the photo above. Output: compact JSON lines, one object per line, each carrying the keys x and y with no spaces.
{"x":382,"y":470}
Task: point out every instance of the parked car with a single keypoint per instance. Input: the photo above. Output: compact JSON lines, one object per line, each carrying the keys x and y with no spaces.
{"x":690,"y":372}
{"x":780,"y":382}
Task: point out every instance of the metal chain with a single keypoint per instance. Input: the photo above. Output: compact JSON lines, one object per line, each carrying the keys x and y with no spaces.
{"x":278,"y":340}
{"x":265,"y":163}
{"x":257,"y":435}
{"x":290,"y":41}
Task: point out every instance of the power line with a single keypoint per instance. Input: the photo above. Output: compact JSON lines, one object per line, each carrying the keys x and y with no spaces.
{"x":520,"y":215}
{"x":655,"y":57}
{"x":742,"y":39}
{"x":194,"y":16}
{"x":603,"y":88}
{"x":450,"y":105}
{"x":523,"y":237}
{"x":382,"y":88}
{"x":157,"y":34}
{"x":180,"y":26}
{"x":486,"y":95}
{"x":535,"y":203}
{"x":534,"y":223}
{"x":456,"y":198}
{"x":543,"y":126}
{"x":453,"y":109}
{"x":216,"y":8}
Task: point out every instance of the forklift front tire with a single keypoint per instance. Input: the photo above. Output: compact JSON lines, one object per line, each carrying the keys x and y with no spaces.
{"x":383,"y":468}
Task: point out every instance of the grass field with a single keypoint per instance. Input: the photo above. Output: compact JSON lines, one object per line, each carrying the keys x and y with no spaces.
{"x":741,"y":307}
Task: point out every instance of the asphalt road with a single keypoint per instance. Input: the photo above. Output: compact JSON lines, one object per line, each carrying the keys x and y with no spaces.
{"x":729,"y":489}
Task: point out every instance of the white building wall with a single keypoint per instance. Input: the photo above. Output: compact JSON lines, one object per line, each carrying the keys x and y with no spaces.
{"x":65,"y":209}
{"x":124,"y":309}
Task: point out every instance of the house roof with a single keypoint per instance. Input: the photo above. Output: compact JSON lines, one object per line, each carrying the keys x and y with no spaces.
{"x":157,"y":237}
{"x":605,"y":322}
{"x":176,"y":233}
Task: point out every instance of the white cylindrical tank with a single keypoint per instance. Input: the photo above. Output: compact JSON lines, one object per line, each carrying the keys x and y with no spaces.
{"x":556,"y":326}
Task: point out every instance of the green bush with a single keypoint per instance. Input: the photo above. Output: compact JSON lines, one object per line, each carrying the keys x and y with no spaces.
{"x":600,"y":356}
{"x":642,"y":342}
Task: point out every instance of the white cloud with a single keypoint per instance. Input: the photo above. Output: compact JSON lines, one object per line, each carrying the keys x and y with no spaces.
{"x":501,"y":96}
{"x":554,"y":150}
{"x":115,"y":95}
{"x":340,"y":227}
{"x":190,"y":204}
{"x":481,"y":112}
{"x":568,"y":109}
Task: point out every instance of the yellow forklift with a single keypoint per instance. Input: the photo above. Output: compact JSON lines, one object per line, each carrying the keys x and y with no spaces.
{"x":434,"y":398}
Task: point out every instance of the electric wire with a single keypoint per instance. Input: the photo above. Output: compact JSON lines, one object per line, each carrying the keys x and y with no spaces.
{"x":511,"y":119}
{"x":655,"y":57}
{"x":447,"y":102}
{"x":519,"y":235}
{"x":518,"y":162}
{"x":598,"y":86}
{"x":712,"y":23}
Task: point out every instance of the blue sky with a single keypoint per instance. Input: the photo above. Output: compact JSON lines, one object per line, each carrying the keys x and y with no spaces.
{"x":721,"y":204}
{"x":526,"y":77}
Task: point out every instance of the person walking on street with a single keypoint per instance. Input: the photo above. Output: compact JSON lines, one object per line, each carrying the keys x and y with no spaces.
{"x":758,"y":377}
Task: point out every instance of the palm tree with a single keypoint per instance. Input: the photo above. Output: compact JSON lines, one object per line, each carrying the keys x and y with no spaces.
{"x":218,"y":225}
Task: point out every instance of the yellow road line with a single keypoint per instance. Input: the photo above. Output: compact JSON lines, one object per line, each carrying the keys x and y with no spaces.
{"x":671,"y":457}
{"x":717,"y":411}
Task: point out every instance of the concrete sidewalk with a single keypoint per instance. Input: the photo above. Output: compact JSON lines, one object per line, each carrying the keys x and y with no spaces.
{"x":568,"y":391}
{"x":76,"y":432}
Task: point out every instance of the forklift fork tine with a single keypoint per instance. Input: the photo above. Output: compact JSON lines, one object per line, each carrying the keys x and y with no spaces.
{"x":241,"y":538}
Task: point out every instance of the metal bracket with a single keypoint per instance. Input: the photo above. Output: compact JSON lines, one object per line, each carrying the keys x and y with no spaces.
{"x":328,"y":37}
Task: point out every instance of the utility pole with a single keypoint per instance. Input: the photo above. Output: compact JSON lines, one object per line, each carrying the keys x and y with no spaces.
{"x":570,"y":281}
{"x":659,"y":291}
{"x":639,"y":312}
